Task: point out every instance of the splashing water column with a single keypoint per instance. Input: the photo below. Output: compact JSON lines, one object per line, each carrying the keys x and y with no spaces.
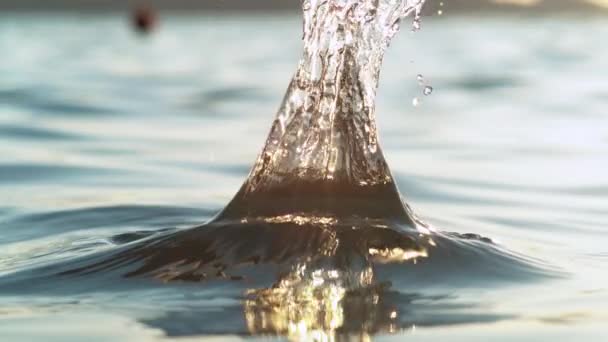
{"x":320,"y":208}
{"x":322,"y":157}
{"x":320,"y":197}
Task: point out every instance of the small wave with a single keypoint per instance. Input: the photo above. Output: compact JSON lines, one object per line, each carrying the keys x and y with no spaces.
{"x":27,"y":226}
{"x":32,"y":173}
{"x":484,"y":83}
{"x":32,"y":133}
{"x":43,"y":101}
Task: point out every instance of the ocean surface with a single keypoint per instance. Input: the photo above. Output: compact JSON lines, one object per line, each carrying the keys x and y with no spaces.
{"x":107,"y":136}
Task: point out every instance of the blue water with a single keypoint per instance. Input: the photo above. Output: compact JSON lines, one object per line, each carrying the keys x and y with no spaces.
{"x":107,"y":137}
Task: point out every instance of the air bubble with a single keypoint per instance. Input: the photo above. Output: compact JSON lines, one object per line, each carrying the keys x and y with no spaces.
{"x":428,"y":90}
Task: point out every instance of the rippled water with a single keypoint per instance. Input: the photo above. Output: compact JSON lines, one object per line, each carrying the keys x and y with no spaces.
{"x":109,"y":138}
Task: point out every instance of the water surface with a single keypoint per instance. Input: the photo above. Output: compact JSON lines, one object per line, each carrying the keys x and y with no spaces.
{"x":109,"y":138}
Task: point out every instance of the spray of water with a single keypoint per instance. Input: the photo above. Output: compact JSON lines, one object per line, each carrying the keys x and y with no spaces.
{"x":322,"y":157}
{"x":320,"y":201}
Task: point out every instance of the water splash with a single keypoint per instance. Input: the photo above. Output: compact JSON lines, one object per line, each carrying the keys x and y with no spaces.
{"x":319,"y":227}
{"x":322,"y":156}
{"x":320,"y":196}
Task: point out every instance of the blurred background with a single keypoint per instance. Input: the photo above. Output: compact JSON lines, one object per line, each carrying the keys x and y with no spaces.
{"x":265,"y":5}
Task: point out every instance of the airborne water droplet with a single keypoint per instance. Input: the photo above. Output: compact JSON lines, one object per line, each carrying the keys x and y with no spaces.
{"x":428,"y":90}
{"x":416,"y":25}
{"x":416,"y":102}
{"x":306,"y":5}
{"x":420,"y":79}
{"x":394,"y":28}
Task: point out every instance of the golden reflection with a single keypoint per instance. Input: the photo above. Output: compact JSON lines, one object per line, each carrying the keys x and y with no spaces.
{"x":306,"y":305}
{"x":320,"y":313}
{"x":320,"y":305}
{"x":314,"y":314}
{"x":299,"y":220}
{"x":396,"y":254}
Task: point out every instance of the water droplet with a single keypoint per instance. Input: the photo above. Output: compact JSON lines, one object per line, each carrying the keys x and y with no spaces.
{"x":428,"y":90}
{"x":395,"y":28}
{"x":416,"y":25}
{"x":306,"y":5}
{"x":420,"y":79}
{"x":416,"y":102}
{"x":440,"y":12}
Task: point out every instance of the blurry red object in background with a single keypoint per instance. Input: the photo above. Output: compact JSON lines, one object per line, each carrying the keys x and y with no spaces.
{"x":144,"y":19}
